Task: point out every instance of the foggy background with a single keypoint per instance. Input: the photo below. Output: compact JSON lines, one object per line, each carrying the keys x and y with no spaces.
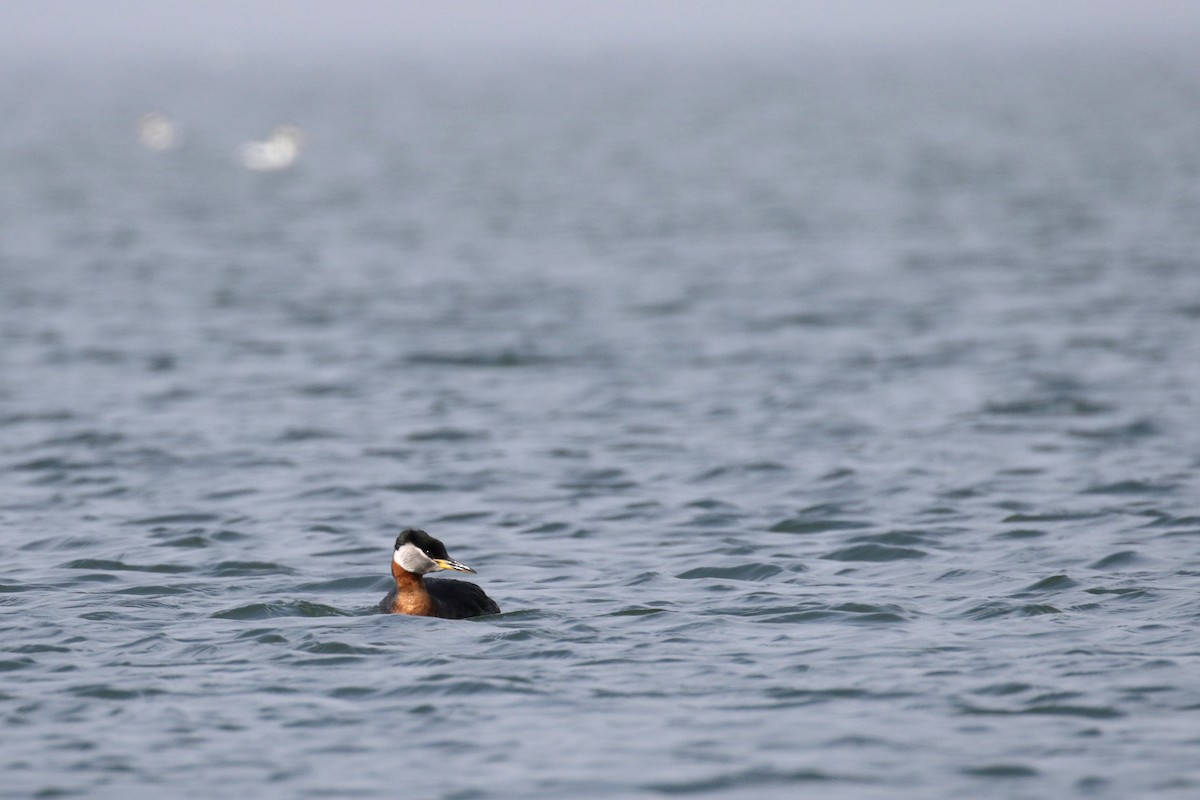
{"x":467,"y":28}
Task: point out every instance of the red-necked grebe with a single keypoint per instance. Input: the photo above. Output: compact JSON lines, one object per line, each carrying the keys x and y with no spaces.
{"x":416,"y":554}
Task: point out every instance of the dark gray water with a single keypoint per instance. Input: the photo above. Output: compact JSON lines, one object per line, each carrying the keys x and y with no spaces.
{"x":822,"y":427}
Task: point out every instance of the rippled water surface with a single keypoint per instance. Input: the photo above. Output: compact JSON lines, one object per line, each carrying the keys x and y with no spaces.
{"x":821,"y":427}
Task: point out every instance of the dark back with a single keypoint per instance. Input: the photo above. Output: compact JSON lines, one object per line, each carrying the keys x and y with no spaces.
{"x":459,"y":599}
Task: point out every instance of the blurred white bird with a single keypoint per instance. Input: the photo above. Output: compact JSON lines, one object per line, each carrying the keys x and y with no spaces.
{"x":278,"y":152}
{"x":158,"y":132}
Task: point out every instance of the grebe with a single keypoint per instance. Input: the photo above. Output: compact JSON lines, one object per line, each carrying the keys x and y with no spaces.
{"x":417,"y":553}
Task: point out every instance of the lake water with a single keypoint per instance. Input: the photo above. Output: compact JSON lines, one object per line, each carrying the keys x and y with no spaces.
{"x":823,"y":426}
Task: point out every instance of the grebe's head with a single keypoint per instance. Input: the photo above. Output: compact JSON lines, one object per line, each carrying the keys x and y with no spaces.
{"x":418,"y":552}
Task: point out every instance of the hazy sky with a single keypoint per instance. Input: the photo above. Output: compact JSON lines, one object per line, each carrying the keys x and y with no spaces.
{"x":90,"y":28}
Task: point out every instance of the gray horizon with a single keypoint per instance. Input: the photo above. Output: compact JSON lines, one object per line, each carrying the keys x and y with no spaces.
{"x":78,"y":29}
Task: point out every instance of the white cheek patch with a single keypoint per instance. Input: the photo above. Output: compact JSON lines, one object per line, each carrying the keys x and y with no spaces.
{"x":410,"y":559}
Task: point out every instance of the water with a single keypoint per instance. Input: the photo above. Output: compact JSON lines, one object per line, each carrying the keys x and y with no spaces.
{"x":824,"y":425}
